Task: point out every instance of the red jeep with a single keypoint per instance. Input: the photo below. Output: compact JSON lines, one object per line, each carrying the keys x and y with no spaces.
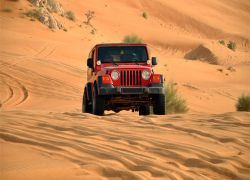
{"x":120,"y":77}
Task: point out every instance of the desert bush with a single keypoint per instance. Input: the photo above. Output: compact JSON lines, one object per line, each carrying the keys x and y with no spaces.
{"x":70,"y":15}
{"x":35,"y":13}
{"x":144,"y":15}
{"x":222,"y":42}
{"x":231,"y":45}
{"x":89,"y":15}
{"x":243,"y":103}
{"x":7,"y":10}
{"x":132,"y":39}
{"x":174,"y":103}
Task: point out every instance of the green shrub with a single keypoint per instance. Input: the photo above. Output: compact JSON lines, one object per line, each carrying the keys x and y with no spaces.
{"x":70,"y":15}
{"x":222,"y":42}
{"x":35,"y":13}
{"x":132,"y":39}
{"x":243,"y":103}
{"x":231,"y":45}
{"x":174,"y":103}
{"x":144,"y":15}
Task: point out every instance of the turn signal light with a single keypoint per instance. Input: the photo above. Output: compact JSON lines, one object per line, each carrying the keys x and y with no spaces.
{"x":156,"y":78}
{"x":106,"y":79}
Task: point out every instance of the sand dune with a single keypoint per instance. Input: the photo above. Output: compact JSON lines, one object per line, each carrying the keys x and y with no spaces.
{"x":44,"y":135}
{"x":160,"y":147}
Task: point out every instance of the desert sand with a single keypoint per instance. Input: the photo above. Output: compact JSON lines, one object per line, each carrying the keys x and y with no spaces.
{"x":44,"y":135}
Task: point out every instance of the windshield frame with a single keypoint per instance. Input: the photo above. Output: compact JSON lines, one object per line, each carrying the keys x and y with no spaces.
{"x":125,"y":61}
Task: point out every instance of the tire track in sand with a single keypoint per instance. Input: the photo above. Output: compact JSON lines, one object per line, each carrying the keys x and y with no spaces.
{"x":26,"y":81}
{"x":7,"y":91}
{"x":16,"y":88}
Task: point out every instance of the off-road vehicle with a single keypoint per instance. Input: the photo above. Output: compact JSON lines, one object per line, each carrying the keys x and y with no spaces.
{"x":121,"y":77}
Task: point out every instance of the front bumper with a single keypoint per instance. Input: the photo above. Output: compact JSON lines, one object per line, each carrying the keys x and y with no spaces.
{"x":111,"y":90}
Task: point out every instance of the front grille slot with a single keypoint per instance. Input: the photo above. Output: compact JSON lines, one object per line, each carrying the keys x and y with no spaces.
{"x":130,"y":78}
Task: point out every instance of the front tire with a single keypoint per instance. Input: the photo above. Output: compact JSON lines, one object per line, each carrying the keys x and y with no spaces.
{"x":144,"y":110}
{"x":97,"y":103}
{"x":86,"y":107}
{"x":159,"y":104}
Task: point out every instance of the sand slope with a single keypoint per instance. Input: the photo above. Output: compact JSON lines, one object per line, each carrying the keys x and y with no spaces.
{"x":158,"y":147}
{"x":42,"y":75}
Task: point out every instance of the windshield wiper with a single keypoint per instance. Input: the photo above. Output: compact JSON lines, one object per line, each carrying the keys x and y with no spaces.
{"x":137,"y":63}
{"x":114,"y":62}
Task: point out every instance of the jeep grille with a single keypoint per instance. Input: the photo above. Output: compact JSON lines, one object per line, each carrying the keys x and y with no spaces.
{"x":130,"y":77}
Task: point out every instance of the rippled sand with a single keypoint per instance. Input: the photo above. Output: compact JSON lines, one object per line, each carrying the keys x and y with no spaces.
{"x":125,"y":146}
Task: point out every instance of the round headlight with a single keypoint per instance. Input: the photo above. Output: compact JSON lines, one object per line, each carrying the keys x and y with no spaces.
{"x":146,"y":74}
{"x":115,"y":75}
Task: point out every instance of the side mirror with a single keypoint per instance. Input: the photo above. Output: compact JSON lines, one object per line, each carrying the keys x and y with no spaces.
{"x":90,"y":63}
{"x":154,"y":61}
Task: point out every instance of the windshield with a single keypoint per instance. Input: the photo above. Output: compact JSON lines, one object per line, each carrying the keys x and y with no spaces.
{"x":122,"y":54}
